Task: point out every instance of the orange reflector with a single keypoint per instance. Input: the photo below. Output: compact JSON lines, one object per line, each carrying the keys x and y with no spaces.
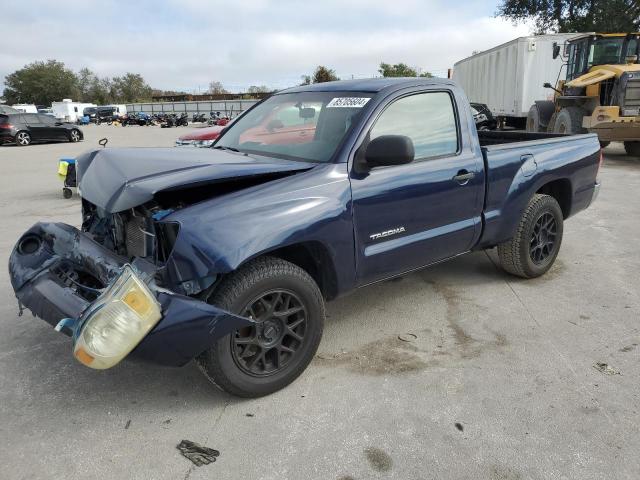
{"x":137,"y":301}
{"x":83,"y":357}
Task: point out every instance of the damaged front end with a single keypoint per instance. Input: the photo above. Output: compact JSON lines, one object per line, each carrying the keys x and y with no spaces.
{"x":111,"y":298}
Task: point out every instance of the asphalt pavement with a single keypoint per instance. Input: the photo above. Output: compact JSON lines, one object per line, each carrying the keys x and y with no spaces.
{"x":455,"y":372}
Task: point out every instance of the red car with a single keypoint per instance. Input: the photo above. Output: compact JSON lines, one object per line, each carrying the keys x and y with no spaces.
{"x":202,"y":137}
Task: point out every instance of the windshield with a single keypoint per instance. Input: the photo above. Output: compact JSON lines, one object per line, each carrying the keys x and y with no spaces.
{"x":606,"y":51}
{"x":306,"y":126}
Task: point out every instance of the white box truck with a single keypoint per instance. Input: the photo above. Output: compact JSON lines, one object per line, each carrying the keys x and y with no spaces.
{"x":509,"y":78}
{"x":68,"y":110}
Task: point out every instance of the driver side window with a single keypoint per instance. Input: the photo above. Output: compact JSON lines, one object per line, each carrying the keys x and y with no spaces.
{"x":428,"y":119}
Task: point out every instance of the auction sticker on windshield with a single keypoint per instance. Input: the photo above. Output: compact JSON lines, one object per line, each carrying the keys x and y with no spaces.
{"x":348,"y":102}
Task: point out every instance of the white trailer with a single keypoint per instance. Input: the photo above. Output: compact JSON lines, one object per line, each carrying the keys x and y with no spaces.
{"x":68,"y":110}
{"x":509,"y":78}
{"x":25,"y":107}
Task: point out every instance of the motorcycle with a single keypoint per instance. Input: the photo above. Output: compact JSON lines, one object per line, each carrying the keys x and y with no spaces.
{"x":199,"y":118}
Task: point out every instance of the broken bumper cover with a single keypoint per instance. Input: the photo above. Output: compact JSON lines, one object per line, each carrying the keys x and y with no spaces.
{"x":49,"y":258}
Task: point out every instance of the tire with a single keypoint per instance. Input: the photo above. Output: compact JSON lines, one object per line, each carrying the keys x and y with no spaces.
{"x":552,"y":122}
{"x":533,"y":120}
{"x":569,"y":120}
{"x":242,"y":368}
{"x":632,"y":148}
{"x":75,"y":136}
{"x":517,"y":256}
{"x":604,"y":144}
{"x":23,"y":138}
{"x":67,"y":192}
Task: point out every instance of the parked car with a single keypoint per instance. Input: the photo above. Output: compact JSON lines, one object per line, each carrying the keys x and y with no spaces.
{"x":106,"y":115}
{"x":26,"y":128}
{"x":202,"y":137}
{"x":226,"y":255}
{"x":92,"y":113}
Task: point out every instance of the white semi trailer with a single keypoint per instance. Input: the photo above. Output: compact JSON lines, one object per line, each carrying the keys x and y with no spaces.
{"x":509,"y":78}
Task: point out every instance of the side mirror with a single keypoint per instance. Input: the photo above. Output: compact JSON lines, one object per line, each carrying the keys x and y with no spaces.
{"x":556,"y":50}
{"x":389,"y":150}
{"x":547,"y":85}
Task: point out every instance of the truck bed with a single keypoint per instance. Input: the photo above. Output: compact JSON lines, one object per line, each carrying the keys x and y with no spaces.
{"x":516,"y":158}
{"x":499,"y":137}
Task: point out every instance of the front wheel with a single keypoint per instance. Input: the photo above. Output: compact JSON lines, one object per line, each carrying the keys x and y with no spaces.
{"x":536,"y":243}
{"x":288,"y":310}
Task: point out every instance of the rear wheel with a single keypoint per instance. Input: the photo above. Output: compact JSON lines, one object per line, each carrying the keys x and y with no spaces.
{"x":533,"y":120}
{"x":74,"y":135}
{"x":569,"y":121}
{"x":632,"y":148}
{"x":288,"y":310}
{"x":23,"y":139}
{"x":535,"y":246}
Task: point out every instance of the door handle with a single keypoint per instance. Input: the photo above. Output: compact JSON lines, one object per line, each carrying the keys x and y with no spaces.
{"x":463,"y":177}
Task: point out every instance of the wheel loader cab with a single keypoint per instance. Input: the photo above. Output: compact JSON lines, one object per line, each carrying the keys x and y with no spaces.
{"x":592,"y":50}
{"x":601,"y":93}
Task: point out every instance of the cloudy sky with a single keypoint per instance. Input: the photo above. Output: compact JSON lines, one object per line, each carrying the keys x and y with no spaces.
{"x":185,"y":44}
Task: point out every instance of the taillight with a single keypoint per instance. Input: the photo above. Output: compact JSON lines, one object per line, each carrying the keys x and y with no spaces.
{"x":6,"y":126}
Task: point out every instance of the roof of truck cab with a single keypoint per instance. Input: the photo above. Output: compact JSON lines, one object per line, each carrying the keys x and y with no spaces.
{"x":373,"y":85}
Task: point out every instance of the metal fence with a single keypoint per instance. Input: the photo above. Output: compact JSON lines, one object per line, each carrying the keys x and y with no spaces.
{"x":230,"y":108}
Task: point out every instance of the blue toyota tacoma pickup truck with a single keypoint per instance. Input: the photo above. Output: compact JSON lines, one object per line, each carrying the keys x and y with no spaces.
{"x":226,"y":255}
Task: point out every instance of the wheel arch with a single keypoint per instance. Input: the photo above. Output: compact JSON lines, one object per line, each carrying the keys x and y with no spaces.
{"x":546,"y":108}
{"x":561,"y":190}
{"x":314,"y":258}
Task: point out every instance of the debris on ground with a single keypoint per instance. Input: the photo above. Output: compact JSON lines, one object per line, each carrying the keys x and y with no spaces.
{"x":128,"y":424}
{"x":459,"y":426}
{"x":606,"y":369}
{"x":249,"y":414}
{"x":407,"y":337}
{"x":198,"y":454}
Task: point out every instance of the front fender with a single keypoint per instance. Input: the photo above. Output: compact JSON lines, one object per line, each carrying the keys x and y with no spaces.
{"x":218,"y":235}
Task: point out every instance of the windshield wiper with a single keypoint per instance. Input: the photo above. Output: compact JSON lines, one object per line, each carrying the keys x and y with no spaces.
{"x":222,"y":147}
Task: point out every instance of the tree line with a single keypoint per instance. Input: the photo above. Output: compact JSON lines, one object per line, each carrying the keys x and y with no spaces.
{"x":566,"y":16}
{"x":43,"y":82}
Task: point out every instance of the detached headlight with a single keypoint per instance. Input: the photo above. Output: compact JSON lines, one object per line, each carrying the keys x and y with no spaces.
{"x":205,"y":143}
{"x":118,"y":320}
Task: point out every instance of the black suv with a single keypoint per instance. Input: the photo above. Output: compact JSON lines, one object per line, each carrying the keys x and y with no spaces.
{"x":25,"y":128}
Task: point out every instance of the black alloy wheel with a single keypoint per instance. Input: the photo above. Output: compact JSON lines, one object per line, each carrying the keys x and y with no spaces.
{"x":543,"y":238}
{"x":267,"y":347}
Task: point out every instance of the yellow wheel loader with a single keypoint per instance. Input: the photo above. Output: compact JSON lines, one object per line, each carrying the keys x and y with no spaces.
{"x":601,"y":93}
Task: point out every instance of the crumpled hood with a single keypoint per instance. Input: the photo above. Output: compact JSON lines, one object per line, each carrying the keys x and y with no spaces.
{"x":117,"y":179}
